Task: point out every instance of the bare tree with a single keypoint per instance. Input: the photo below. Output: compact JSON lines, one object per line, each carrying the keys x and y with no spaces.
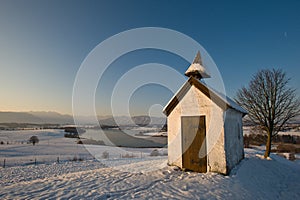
{"x":270,"y":102}
{"x":33,"y":139}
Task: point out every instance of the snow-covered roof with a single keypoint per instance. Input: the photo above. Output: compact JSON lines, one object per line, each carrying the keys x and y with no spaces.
{"x":231,"y":103}
{"x":220,"y":99}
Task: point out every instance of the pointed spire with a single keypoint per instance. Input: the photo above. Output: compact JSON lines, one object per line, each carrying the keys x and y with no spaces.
{"x":196,"y":69}
{"x":197,"y":59}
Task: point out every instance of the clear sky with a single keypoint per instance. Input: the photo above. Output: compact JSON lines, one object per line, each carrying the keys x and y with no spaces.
{"x":43,"y":43}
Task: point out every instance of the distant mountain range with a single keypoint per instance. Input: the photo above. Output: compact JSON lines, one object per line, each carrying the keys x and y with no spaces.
{"x":35,"y":118}
{"x":136,"y":120}
{"x":57,"y":118}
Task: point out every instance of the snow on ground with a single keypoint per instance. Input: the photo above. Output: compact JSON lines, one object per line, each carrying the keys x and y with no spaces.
{"x":254,"y":178}
{"x":130,"y":173}
{"x":12,"y":175}
{"x":53,"y":144}
{"x":295,"y":133}
{"x":248,"y":130}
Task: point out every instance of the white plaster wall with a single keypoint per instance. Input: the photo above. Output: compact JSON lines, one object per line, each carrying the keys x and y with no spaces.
{"x":233,"y":138}
{"x":174,"y":138}
{"x":214,"y":132}
{"x":195,"y":103}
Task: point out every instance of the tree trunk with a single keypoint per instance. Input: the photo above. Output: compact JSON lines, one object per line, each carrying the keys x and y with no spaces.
{"x":268,"y":146}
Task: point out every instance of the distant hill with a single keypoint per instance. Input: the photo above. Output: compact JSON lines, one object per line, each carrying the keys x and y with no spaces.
{"x":57,"y":118}
{"x":53,"y":117}
{"x":19,"y":117}
{"x":132,"y":121}
{"x":35,"y":117}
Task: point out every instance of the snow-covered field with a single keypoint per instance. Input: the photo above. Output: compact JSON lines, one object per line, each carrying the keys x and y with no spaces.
{"x":248,"y":130}
{"x":142,"y":177}
{"x":53,"y":144}
{"x":254,"y":178}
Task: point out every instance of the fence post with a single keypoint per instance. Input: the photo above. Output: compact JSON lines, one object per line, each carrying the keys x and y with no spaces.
{"x":58,"y":159}
{"x":4,"y":163}
{"x":34,"y":161}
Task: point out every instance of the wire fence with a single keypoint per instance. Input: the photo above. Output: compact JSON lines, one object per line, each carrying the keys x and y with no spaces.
{"x":49,"y":159}
{"x":36,"y":160}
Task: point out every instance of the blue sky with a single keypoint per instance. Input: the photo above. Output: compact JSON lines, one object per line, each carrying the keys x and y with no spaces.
{"x":43,"y":43}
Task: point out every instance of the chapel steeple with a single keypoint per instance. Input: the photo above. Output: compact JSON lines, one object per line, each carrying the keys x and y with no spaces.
{"x":196,"y":69}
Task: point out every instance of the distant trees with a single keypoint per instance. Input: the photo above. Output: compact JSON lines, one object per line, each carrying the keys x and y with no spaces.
{"x":154,"y":153}
{"x":259,"y":139}
{"x":73,"y":132}
{"x":105,"y":155}
{"x":33,"y":139}
{"x":71,"y":135}
{"x":270,"y":102}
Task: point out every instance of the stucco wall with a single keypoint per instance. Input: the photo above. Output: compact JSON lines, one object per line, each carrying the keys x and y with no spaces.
{"x":195,"y":103}
{"x":233,"y":138}
{"x":174,"y":138}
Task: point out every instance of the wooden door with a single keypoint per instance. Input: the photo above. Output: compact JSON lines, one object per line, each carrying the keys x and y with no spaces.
{"x":193,"y":137}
